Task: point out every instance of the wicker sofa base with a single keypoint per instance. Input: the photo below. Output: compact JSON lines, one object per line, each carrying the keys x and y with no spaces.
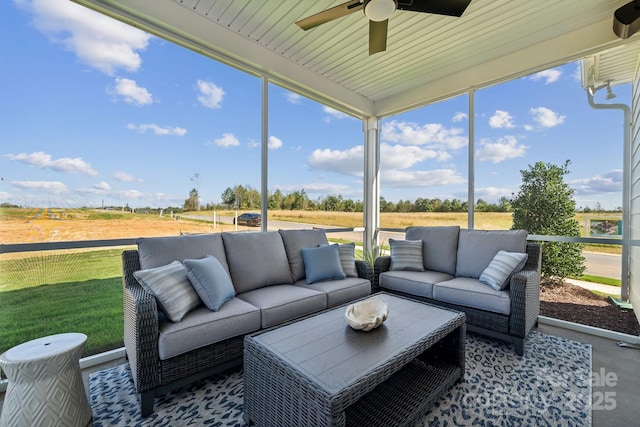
{"x":187,"y":368}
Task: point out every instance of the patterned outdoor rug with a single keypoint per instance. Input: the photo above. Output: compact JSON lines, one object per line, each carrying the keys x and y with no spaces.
{"x":549,"y":386}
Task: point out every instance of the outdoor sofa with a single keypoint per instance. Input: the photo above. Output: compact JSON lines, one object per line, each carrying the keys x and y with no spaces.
{"x":269,"y":273}
{"x":449,"y":266}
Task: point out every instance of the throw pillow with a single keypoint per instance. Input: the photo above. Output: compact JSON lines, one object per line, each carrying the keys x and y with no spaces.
{"x":503,"y":265}
{"x":406,"y":255}
{"x":348,"y":259}
{"x":322,"y":263}
{"x":171,"y":287}
{"x":210,"y":280}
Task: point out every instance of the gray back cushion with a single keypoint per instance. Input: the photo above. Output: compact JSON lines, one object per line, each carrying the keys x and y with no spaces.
{"x":476,"y":248}
{"x":294,"y":241}
{"x":256,"y":260}
{"x":158,"y":251}
{"x":439,"y":246}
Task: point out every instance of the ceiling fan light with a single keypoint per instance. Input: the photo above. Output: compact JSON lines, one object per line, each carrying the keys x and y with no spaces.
{"x":379,"y":10}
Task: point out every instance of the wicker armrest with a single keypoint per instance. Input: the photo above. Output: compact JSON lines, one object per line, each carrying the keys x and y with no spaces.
{"x":381,"y":264}
{"x":364,"y":270}
{"x":525,"y":294}
{"x":140,"y":326}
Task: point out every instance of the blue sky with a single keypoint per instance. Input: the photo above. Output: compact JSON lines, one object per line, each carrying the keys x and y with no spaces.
{"x":98,"y":112}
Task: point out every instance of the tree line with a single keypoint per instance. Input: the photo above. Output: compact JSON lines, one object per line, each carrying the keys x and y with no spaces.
{"x":245,"y":197}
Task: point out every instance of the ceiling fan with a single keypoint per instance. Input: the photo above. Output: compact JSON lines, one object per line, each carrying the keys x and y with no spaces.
{"x":378,"y":13}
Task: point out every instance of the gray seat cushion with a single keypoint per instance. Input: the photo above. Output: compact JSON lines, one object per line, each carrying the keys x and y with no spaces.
{"x":157,"y":251}
{"x":472,"y":293}
{"x":340,"y":291}
{"x":439,"y":246}
{"x":294,"y":241}
{"x":419,"y":283}
{"x":476,"y":248}
{"x":281,"y":303}
{"x":202,"y":327}
{"x":256,"y":260}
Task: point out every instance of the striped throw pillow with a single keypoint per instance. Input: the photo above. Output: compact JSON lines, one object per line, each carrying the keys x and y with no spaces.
{"x":348,"y":259}
{"x":171,"y":287}
{"x":503,"y":265}
{"x":406,"y":255}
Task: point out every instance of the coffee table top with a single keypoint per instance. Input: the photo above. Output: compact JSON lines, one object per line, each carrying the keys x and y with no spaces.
{"x":325,"y":350}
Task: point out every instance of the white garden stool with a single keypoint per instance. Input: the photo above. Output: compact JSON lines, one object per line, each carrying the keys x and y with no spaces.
{"x":45,"y":384}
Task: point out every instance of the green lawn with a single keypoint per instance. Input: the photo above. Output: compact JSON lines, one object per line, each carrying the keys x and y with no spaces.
{"x":82,"y":292}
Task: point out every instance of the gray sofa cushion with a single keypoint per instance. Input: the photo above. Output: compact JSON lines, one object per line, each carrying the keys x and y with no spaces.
{"x":294,"y":241}
{"x":439,"y":246}
{"x":156,"y":251}
{"x":418,"y":283}
{"x":203,"y":327}
{"x":472,"y":293}
{"x":256,"y":260}
{"x":281,"y":303}
{"x":340,"y":291}
{"x":476,"y":248}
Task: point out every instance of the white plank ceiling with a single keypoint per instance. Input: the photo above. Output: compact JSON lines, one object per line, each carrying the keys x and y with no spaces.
{"x":428,"y":57}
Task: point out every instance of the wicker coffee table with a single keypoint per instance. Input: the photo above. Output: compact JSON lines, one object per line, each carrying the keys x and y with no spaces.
{"x":320,"y":372}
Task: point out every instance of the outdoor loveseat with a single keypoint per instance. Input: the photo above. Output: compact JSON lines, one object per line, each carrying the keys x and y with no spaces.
{"x":449,"y":266}
{"x":186,"y":314}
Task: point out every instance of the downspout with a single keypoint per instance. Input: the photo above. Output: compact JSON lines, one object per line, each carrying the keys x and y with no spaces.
{"x":626,"y":186}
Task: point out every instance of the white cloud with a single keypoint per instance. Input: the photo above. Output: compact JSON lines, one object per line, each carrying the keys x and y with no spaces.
{"x":549,"y":76}
{"x":131,"y":93}
{"x":546,"y":117}
{"x":55,"y":187}
{"x":102,"y":185}
{"x":500,"y":150}
{"x":493,"y":194}
{"x":158,"y":130}
{"x":43,"y":160}
{"x":431,"y":178}
{"x":459,"y":116}
{"x":210,"y":95}
{"x":402,"y":156}
{"x":274,"y":143}
{"x":294,"y":98}
{"x":610,"y":182}
{"x":346,"y":162}
{"x":501,"y":119}
{"x":528,"y":128}
{"x":123,"y":177}
{"x":96,"y":40}
{"x":316,"y":188}
{"x":332,"y":113}
{"x":227,"y":140}
{"x":433,"y":135}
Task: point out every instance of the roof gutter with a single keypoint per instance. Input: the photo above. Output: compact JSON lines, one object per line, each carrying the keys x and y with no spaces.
{"x":626,"y":184}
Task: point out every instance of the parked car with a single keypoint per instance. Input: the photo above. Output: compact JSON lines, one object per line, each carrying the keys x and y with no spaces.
{"x":250,"y":219}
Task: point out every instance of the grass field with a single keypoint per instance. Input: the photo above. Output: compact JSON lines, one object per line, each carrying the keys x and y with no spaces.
{"x":50,"y":292}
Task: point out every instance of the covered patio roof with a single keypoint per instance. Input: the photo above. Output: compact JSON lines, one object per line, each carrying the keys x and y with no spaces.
{"x":428,"y":57}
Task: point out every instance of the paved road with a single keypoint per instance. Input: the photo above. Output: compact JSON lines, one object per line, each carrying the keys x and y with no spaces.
{"x":598,"y":264}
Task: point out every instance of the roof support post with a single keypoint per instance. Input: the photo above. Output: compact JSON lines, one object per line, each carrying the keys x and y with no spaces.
{"x":264,"y":180}
{"x":371,"y":126}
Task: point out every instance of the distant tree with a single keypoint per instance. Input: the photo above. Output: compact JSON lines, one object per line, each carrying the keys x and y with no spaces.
{"x":544,"y":205}
{"x":192,"y":203}
{"x":228,"y":197}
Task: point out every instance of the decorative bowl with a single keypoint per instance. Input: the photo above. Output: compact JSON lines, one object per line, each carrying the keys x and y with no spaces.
{"x":366,"y":315}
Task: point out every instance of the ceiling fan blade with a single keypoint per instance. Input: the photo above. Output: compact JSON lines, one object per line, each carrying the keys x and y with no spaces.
{"x":438,"y":7}
{"x":378,"y":36}
{"x":330,"y":14}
